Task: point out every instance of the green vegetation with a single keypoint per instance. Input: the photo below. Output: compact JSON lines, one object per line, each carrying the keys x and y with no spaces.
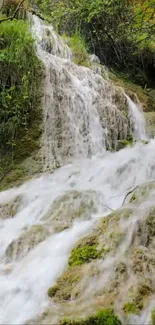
{"x":121,"y":33}
{"x":20,"y":95}
{"x":133,"y":307}
{"x":153,"y":317}
{"x":136,"y":304}
{"x":103,"y":317}
{"x":85,"y":254}
{"x":77,"y":44}
{"x":64,"y":286}
{"x":123,"y":143}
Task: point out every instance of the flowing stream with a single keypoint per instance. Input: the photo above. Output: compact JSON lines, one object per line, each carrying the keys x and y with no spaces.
{"x":89,"y":173}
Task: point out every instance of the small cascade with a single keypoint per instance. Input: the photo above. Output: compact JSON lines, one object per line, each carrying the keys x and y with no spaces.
{"x":84,"y":114}
{"x":138,"y":120}
{"x":34,"y":247}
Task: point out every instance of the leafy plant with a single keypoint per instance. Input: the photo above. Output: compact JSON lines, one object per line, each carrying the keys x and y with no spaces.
{"x":20,"y":91}
{"x":77,"y":44}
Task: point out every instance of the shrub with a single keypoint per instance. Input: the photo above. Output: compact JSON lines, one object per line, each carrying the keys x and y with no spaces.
{"x":20,"y":88}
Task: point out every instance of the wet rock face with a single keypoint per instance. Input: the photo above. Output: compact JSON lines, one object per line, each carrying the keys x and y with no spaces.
{"x":150,"y":123}
{"x":84,"y":112}
{"x":94,"y":58}
{"x":121,"y":271}
{"x":74,"y":205}
{"x":26,"y":242}
{"x":10,"y":209}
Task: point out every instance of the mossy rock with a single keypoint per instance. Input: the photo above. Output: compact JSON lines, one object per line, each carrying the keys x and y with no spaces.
{"x":133,"y":91}
{"x":103,"y":317}
{"x":71,"y":206}
{"x":110,"y":232}
{"x":135,"y":305}
{"x":26,"y":242}
{"x":10,"y":209}
{"x":85,"y":254}
{"x":141,"y":192}
{"x":121,"y":144}
{"x":63,"y":289}
{"x":150,"y":123}
{"x":103,"y":240}
{"x":147,"y":227}
{"x":153,"y":317}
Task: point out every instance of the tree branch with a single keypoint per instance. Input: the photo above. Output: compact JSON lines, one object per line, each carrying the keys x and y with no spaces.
{"x":135,"y":189}
{"x":14,"y":14}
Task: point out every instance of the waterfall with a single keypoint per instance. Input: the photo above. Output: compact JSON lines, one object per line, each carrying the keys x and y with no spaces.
{"x":138,"y":120}
{"x":41,"y":221}
{"x":82,"y":115}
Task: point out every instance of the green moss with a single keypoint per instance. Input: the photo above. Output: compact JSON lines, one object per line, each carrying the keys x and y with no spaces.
{"x":52,"y":291}
{"x":124,"y":143}
{"x":64,"y":286}
{"x":14,"y":177}
{"x":103,"y":317}
{"x":150,"y":226}
{"x":136,"y":305}
{"x":85,"y":254}
{"x":110,"y":233}
{"x":153,"y":317}
{"x":133,"y":307}
{"x":115,"y":238}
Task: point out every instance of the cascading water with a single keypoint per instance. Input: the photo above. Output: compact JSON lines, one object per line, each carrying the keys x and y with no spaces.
{"x":138,"y":120}
{"x":82,"y":113}
{"x":79,"y":114}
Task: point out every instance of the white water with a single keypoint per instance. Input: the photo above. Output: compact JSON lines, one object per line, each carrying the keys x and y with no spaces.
{"x":83,"y":112}
{"x":138,"y":120}
{"x":24,"y":283}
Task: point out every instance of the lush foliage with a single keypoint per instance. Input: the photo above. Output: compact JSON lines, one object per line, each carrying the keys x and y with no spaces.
{"x":121,"y":33}
{"x":104,"y":317}
{"x":79,"y":48}
{"x":20,"y":79}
